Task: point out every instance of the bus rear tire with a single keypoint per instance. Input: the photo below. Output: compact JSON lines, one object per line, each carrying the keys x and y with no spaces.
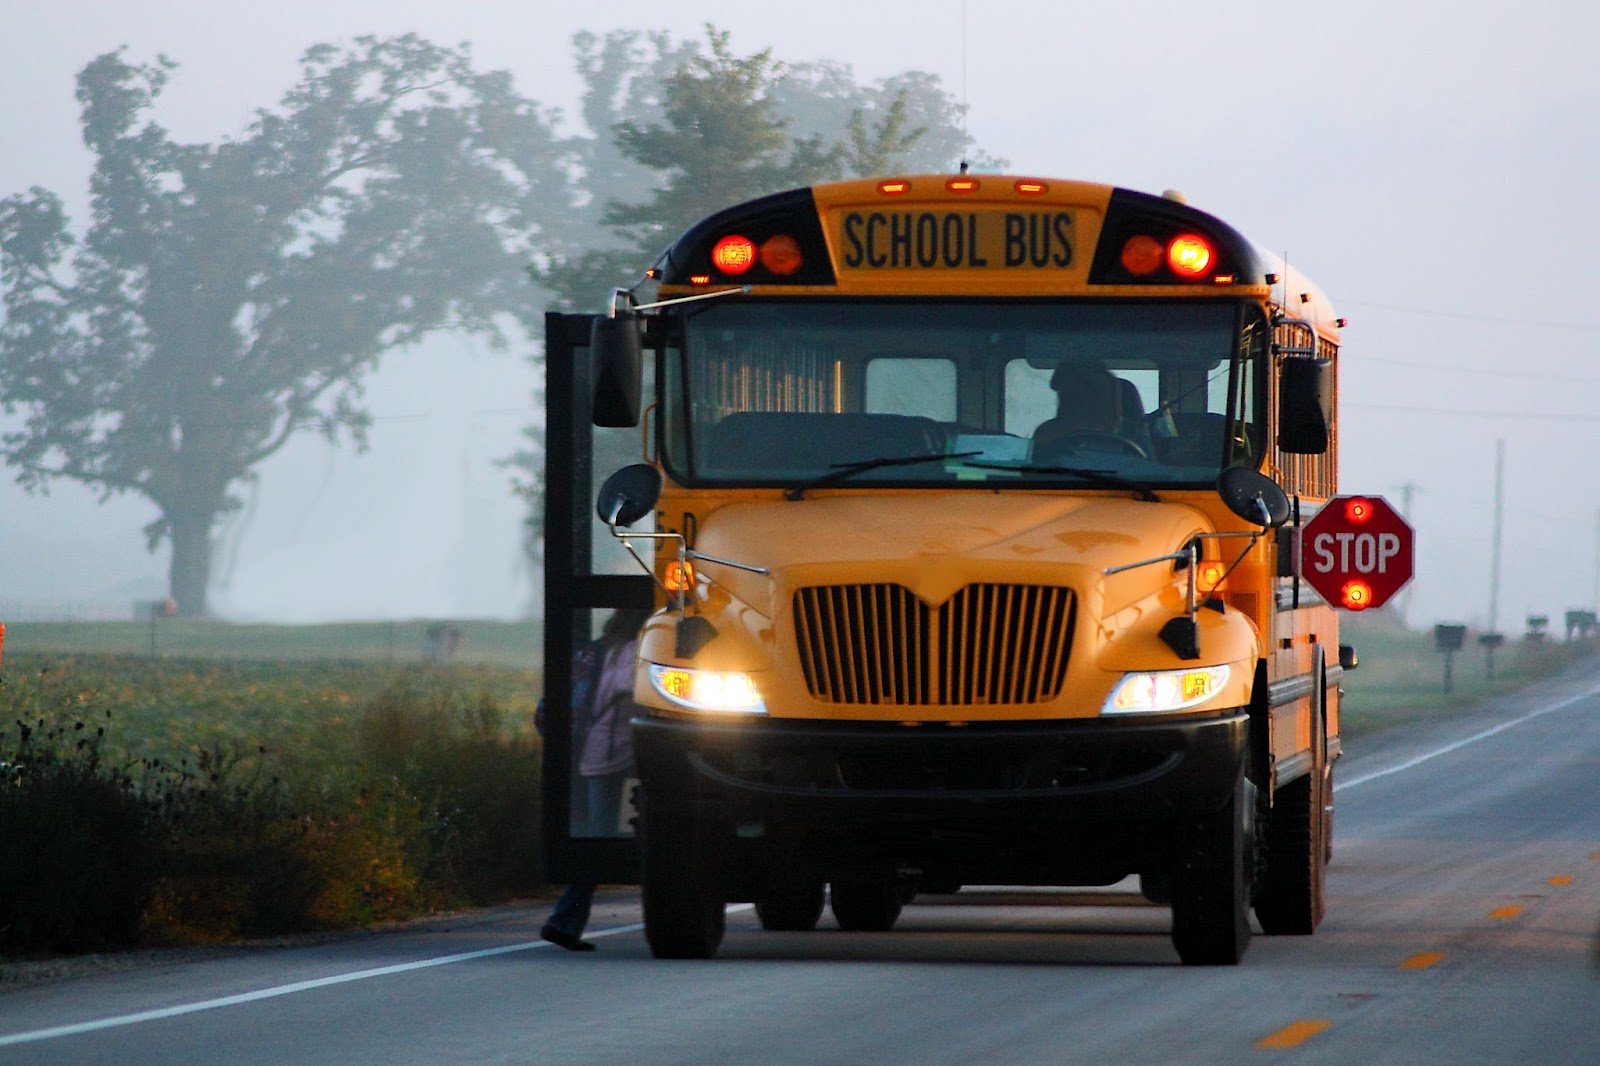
{"x":1211,"y":882}
{"x":684,"y":913}
{"x":1292,"y":896}
{"x":793,"y":907}
{"x":866,"y":901}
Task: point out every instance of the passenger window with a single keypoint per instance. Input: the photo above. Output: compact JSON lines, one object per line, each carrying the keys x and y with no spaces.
{"x":925,"y":387}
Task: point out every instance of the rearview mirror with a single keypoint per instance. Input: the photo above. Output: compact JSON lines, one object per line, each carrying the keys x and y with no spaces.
{"x":629,"y":494}
{"x":1253,"y":496}
{"x":617,"y":345}
{"x":1305,"y":405}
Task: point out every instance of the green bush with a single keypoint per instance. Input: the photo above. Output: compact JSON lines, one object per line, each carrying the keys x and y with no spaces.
{"x":477,"y":781}
{"x":76,"y":869}
{"x":297,"y":804}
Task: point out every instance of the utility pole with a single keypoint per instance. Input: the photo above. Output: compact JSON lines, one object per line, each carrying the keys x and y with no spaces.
{"x":1493,"y":638}
{"x":1494,"y":562}
{"x":1407,"y":491}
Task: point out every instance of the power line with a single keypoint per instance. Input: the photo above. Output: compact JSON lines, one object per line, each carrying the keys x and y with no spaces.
{"x":1559,"y":416}
{"x":1429,"y":312}
{"x":1520,"y":374}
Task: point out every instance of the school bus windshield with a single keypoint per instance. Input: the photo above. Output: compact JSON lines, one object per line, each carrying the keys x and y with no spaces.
{"x":970,"y":393}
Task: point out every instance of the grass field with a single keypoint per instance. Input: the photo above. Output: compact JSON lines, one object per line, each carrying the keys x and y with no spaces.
{"x":515,"y":645}
{"x":1401,"y":676}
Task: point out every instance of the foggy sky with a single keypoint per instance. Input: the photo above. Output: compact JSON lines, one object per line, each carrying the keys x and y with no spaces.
{"x":1429,"y":164}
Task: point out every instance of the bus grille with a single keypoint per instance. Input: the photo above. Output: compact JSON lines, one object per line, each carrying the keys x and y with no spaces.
{"x":989,"y":643}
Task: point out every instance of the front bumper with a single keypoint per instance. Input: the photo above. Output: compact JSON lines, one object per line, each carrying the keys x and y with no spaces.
{"x":808,"y":773}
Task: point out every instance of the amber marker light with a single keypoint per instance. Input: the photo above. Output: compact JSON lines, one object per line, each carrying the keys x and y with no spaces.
{"x":962,"y":185}
{"x":1358,"y":509}
{"x":1189,"y":255}
{"x":1032,"y":188}
{"x":680,"y":576}
{"x":699,"y":279}
{"x":780,"y":254}
{"x":1142,"y":255}
{"x":733,"y":254}
{"x":894,"y":187}
{"x":1356,"y":595}
{"x":1210,"y":576}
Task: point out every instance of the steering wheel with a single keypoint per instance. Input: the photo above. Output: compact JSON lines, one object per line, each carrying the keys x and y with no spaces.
{"x":1092,"y":440}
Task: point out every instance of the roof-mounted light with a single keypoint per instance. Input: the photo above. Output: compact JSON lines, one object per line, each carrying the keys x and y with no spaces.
{"x":734,"y":254}
{"x":1142,"y":255}
{"x":1189,"y":255}
{"x":894,"y":187}
{"x":780,"y":254}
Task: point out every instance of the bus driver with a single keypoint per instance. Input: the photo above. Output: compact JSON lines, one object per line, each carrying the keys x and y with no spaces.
{"x":1089,"y":415}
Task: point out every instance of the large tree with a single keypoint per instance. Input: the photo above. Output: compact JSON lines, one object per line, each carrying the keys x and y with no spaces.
{"x":226,"y":297}
{"x":679,"y":129}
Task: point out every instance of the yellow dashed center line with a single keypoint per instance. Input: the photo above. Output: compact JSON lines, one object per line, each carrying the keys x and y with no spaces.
{"x":1294,"y":1034}
{"x":1564,"y":879}
{"x":1503,"y":913}
{"x":1422,"y":961}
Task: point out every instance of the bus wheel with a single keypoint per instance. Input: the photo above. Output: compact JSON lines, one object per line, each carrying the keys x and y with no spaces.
{"x":793,"y":907}
{"x":1293,"y":892}
{"x":865,"y":901}
{"x":683,"y":909}
{"x":1211,"y":882}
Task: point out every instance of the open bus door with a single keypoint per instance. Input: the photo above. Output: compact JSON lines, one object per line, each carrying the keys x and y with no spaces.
{"x":587,"y":576}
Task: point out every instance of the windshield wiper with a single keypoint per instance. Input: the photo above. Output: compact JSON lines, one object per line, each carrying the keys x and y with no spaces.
{"x":1099,"y":477}
{"x":840,"y":472}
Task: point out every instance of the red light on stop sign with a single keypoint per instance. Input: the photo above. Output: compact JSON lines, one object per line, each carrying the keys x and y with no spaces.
{"x":1356,"y":595}
{"x":1358,"y":509}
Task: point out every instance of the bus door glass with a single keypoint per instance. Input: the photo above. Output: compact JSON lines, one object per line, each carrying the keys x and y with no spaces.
{"x":596,"y":598}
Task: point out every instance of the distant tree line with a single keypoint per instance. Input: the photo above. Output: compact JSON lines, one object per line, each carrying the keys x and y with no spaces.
{"x":225,"y":297}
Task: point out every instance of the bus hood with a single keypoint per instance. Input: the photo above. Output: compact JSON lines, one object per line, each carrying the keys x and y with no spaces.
{"x":937,"y":543}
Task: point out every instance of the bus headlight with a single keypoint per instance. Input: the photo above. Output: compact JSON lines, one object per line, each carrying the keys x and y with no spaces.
{"x":1165,"y":690}
{"x":707,"y":690}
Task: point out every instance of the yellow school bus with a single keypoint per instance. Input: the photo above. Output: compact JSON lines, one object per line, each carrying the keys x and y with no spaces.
{"x":969,"y":507}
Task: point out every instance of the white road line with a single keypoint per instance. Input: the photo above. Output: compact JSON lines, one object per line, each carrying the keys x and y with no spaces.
{"x":1340,"y":786}
{"x":298,"y":986}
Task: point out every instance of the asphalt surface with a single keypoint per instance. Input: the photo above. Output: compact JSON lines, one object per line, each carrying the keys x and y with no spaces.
{"x":1464,"y":909}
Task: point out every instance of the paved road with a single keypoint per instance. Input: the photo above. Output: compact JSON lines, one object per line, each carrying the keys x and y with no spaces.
{"x":1464,"y":906}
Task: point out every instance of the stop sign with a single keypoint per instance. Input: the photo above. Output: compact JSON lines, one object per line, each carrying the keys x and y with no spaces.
{"x":1356,"y":552}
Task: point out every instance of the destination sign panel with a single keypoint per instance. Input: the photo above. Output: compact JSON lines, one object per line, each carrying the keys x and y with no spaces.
{"x":930,"y":239}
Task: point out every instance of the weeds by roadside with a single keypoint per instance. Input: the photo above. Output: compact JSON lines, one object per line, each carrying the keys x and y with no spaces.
{"x":295,"y":804}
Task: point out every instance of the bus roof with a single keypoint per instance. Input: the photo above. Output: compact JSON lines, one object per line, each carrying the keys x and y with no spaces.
{"x":983,"y":235}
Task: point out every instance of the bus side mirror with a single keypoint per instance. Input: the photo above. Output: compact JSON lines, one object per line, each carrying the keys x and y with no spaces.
{"x":628,"y":495}
{"x":1305,"y":405}
{"x":1253,"y":496}
{"x":617,"y":344}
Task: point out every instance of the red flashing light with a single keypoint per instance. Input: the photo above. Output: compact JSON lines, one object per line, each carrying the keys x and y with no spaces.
{"x":733,"y":254}
{"x":1357,"y":510}
{"x":699,"y":279}
{"x":1189,"y":255}
{"x":1356,"y":595}
{"x":1142,"y":255}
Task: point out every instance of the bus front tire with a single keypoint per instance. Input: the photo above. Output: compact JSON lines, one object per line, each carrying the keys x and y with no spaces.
{"x":1211,"y":882}
{"x":684,"y":913}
